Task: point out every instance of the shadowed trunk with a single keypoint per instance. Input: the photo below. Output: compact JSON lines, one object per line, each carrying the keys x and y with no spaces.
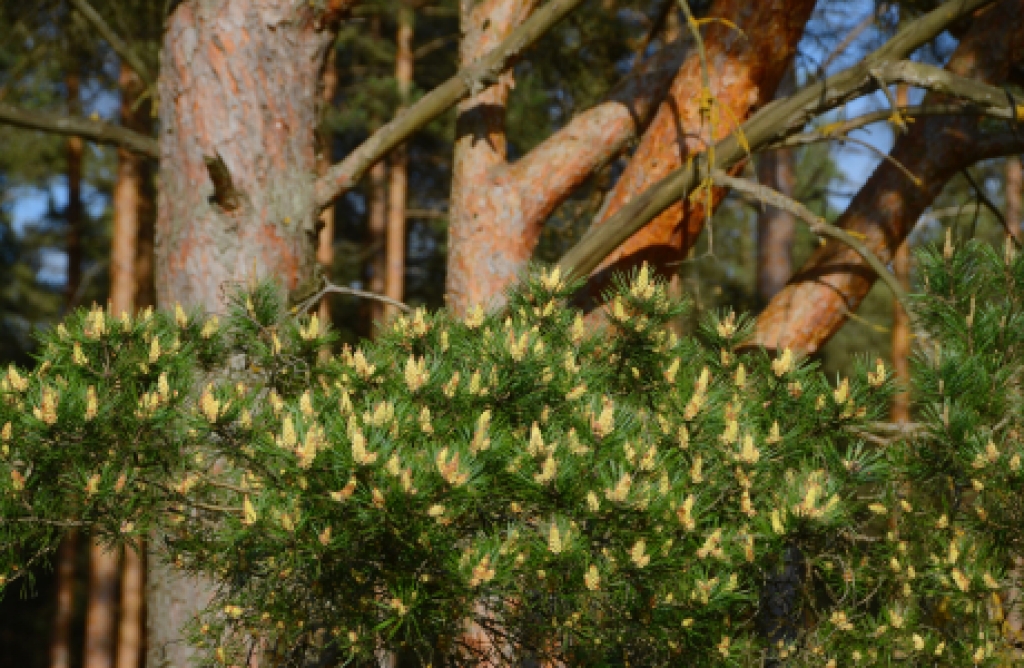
{"x":776,"y":228}
{"x":239,"y":92}
{"x":74,"y":214}
{"x":60,"y":643}
{"x":744,"y":74}
{"x":394,"y":252}
{"x":101,"y":610}
{"x":836,"y":279}
{"x":377,"y":229}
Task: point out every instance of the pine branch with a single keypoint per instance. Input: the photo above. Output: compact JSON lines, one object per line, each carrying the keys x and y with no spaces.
{"x":122,"y":48}
{"x":771,"y":124}
{"x":76,"y":126}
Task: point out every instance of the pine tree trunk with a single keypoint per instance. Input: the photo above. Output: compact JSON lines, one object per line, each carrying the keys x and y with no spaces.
{"x":1014,"y":193}
{"x":835,"y":280}
{"x":325,"y":242}
{"x":776,"y":228}
{"x":377,"y":223}
{"x":901,"y":333}
{"x":74,"y":212}
{"x":101,"y":610}
{"x":745,"y":72}
{"x":238,"y":97}
{"x":60,"y":643}
{"x":394,"y":251}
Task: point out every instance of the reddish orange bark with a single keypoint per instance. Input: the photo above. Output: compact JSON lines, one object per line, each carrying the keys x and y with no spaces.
{"x":744,"y":73}
{"x":239,"y":82}
{"x":835,"y":279}
{"x":377,"y":228}
{"x":498,"y":209}
{"x":101,"y":610}
{"x":901,"y":332}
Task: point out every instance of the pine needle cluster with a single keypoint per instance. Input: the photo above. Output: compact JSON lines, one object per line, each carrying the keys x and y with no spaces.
{"x":513,"y":486}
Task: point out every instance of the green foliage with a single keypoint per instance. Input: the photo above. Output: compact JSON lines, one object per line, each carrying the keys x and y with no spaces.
{"x":516,"y":484}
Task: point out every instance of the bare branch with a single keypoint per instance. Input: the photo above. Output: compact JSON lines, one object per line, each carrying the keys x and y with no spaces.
{"x":331,"y":288}
{"x":120,"y":47}
{"x":771,"y":124}
{"x":817,"y":225}
{"x":481,"y":74}
{"x":76,"y":126}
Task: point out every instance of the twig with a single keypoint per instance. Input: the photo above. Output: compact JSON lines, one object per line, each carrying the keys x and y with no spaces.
{"x":987,"y":203}
{"x":817,"y":225}
{"x":120,"y":47}
{"x":331,"y":288}
{"x":76,"y":126}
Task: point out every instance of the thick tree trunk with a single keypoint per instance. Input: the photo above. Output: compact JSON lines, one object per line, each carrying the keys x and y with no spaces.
{"x":398,"y":177}
{"x":498,"y":209}
{"x":744,"y":73}
{"x":238,"y":91}
{"x":836,"y":279}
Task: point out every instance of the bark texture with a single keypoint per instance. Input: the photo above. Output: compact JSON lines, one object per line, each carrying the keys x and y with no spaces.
{"x":744,"y":74}
{"x":325,"y":243}
{"x":776,"y":228}
{"x":835,"y":280}
{"x":498,"y":209}
{"x":901,"y":327}
{"x":377,"y":223}
{"x":239,"y":87}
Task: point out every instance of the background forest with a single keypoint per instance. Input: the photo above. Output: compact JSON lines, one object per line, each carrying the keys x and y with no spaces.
{"x":66,"y":204}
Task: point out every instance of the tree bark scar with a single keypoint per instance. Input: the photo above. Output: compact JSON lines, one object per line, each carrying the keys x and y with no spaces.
{"x":225,"y":195}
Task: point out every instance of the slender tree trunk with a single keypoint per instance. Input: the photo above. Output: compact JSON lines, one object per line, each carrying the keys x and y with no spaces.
{"x":901,"y":332}
{"x":239,"y":92}
{"x":744,"y":73}
{"x":133,"y":219}
{"x":74,"y":212}
{"x":776,"y":228}
{"x":394,"y":279}
{"x":60,"y":643}
{"x":835,"y":279}
{"x":1014,"y":193}
{"x":325,"y":243}
{"x":377,"y":223}
{"x":101,"y":610}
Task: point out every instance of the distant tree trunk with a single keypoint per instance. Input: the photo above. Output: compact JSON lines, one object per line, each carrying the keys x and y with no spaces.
{"x":60,"y":643}
{"x":835,"y":280}
{"x":101,"y":610}
{"x":776,"y":228}
{"x":394,"y":279}
{"x":377,"y":223}
{"x":325,"y":242}
{"x":131,"y":288}
{"x":238,"y":95}
{"x":74,"y":212}
{"x":1014,"y":193}
{"x":901,"y":332}
{"x":744,"y":74}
